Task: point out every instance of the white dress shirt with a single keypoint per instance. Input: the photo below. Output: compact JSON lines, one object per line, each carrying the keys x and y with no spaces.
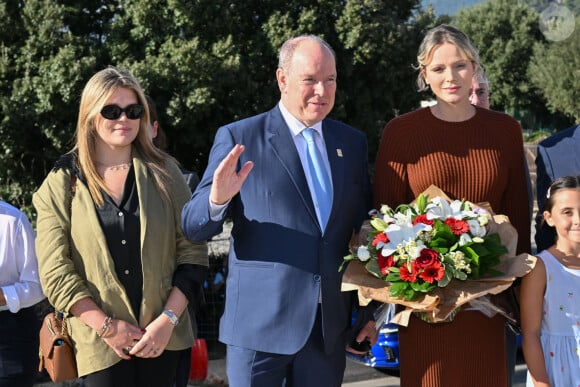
{"x":18,"y":265}
{"x":296,"y":128}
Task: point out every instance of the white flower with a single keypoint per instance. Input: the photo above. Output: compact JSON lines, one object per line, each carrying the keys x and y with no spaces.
{"x":476,"y":229}
{"x":456,"y":211}
{"x":464,"y":239}
{"x":413,"y":248}
{"x":483,"y":219}
{"x":439,"y":208}
{"x":363,"y":253}
{"x":385,"y":209}
{"x":404,"y":235}
{"x":459,"y":261}
{"x":402,"y":218}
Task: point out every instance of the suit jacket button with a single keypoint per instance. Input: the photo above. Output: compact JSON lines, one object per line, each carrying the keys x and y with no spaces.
{"x":317,"y":277}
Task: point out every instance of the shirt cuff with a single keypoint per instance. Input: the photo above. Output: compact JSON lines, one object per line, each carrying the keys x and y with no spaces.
{"x":216,"y":211}
{"x":12,"y":301}
{"x":189,"y":279}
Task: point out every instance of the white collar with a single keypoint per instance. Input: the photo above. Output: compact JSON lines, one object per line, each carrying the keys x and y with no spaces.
{"x":296,"y":127}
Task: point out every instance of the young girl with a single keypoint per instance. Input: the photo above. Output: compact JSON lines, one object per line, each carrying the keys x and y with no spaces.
{"x":550,"y":308}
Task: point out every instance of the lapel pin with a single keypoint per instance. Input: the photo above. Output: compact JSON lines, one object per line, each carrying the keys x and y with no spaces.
{"x":339,"y":152}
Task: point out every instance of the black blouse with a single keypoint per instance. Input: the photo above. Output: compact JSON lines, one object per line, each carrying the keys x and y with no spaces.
{"x":121,"y":226}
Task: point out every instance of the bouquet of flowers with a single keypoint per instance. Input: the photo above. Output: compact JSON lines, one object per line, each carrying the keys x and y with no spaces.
{"x":418,"y":247}
{"x":433,"y":256}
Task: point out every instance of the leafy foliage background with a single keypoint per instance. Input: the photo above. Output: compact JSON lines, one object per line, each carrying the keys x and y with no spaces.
{"x":210,"y":62}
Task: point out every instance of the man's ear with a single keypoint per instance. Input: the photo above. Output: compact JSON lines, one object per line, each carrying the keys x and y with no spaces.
{"x":282,"y":81}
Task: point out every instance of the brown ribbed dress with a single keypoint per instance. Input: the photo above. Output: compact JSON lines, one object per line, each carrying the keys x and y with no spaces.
{"x":480,"y":160}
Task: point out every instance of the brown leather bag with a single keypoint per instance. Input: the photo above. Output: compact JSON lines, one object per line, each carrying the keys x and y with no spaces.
{"x":56,"y":349}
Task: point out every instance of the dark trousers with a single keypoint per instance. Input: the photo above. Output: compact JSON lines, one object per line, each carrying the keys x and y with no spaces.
{"x":137,"y":372}
{"x":182,"y":374}
{"x":18,"y":347}
{"x":309,"y":367}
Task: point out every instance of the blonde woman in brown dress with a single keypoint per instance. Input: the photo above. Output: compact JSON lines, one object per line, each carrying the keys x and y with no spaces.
{"x":470,"y":153}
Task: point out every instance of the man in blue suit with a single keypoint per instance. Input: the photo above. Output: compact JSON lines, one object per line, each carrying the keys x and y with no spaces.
{"x":286,"y":320}
{"x":558,"y":155}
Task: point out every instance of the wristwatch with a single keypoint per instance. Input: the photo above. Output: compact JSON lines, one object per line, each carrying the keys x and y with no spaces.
{"x":172,"y":316}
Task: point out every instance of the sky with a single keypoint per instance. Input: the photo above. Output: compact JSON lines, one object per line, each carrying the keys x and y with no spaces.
{"x":449,"y":7}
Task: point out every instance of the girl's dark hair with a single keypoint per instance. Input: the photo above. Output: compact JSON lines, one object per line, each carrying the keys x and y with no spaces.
{"x":566,"y":182}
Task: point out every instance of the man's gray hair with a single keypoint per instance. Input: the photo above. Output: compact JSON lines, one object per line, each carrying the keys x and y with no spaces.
{"x":481,"y":78}
{"x":289,"y":47}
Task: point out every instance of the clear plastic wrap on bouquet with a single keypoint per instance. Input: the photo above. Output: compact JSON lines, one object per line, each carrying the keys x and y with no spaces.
{"x":442,"y":303}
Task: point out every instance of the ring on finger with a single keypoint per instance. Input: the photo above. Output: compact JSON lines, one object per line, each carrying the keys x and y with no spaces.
{"x":127,"y":349}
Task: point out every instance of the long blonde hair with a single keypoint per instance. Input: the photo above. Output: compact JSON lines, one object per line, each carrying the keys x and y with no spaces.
{"x":96,"y":92}
{"x":437,"y":36}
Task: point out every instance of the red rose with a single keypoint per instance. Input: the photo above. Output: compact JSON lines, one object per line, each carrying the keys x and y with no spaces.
{"x":385,"y":263}
{"x":458,"y":227}
{"x":427,"y":258}
{"x":406,"y":275}
{"x":433,"y":273}
{"x":422,"y":219}
{"x":381,"y":237}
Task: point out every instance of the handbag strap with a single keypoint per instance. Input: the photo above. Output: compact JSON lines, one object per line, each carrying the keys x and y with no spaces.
{"x":58,"y":314}
{"x":73,"y":191}
{"x":64,"y":327}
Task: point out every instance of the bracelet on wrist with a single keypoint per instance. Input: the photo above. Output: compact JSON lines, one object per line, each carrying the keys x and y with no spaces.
{"x":172,"y":316}
{"x":105,"y":328}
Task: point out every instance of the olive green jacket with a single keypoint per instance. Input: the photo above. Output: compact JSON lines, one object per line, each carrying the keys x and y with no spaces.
{"x":90,"y":272}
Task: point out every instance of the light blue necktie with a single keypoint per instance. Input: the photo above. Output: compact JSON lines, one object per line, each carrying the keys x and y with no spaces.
{"x":319,"y":175}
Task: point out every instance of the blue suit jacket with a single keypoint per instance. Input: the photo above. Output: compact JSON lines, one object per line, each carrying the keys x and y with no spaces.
{"x":279,"y":260}
{"x":558,"y":155}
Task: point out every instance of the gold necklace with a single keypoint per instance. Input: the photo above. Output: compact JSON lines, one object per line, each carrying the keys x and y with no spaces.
{"x":118,"y":167}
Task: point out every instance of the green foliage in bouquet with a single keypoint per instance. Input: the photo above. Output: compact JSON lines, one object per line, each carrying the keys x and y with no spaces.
{"x":421,"y":246}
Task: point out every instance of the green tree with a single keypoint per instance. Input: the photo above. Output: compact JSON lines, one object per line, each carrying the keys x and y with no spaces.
{"x":380,"y":39}
{"x":205,"y":63}
{"x":375,"y":43}
{"x":504,"y":32}
{"x":41,"y":69}
{"x":555,"y":70}
{"x":540,"y":5}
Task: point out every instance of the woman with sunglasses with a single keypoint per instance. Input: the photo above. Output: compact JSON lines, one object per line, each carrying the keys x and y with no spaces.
{"x":112,"y":255}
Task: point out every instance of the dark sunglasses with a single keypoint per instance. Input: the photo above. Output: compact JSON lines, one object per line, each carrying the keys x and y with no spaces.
{"x":113,"y":112}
